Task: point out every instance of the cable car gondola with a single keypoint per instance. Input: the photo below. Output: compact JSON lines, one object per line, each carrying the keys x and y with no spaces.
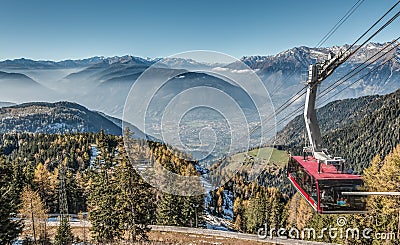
{"x":323,"y":189}
{"x":320,"y":178}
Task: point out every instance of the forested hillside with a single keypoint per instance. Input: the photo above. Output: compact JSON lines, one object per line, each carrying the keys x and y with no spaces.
{"x":60,"y":117}
{"x":98,"y":179}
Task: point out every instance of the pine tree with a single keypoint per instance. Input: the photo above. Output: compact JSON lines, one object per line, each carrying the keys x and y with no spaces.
{"x":191,"y":211}
{"x":64,"y":234}
{"x":168,"y":210}
{"x":220,"y":200}
{"x":9,"y":228}
{"x":34,"y":210}
{"x":254,"y":214}
{"x":135,"y":199}
{"x":238,"y":211}
{"x":384,"y":176}
{"x":102,"y":201}
{"x":42,"y":181}
{"x":299,"y":212}
{"x":180,"y":210}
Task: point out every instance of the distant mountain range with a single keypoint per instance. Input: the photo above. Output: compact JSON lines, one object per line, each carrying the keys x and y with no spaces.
{"x":103,"y":83}
{"x":44,"y":64}
{"x":282,"y":73}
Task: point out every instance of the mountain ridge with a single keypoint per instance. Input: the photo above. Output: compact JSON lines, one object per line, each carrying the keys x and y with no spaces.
{"x":59,"y":117}
{"x":282,"y":74}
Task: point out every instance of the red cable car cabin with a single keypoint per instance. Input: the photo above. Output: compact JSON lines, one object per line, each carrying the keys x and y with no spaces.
{"x":321,"y":178}
{"x":322,"y":185}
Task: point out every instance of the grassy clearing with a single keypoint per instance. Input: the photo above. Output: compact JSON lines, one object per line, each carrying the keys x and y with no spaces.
{"x":278,"y":157}
{"x":268,"y":158}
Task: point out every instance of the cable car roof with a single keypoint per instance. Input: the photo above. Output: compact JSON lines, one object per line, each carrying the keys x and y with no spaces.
{"x":327,"y":171}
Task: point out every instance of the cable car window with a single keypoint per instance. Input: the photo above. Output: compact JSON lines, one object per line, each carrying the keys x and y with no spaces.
{"x":303,"y":179}
{"x":293,"y":166}
{"x":332,"y":198}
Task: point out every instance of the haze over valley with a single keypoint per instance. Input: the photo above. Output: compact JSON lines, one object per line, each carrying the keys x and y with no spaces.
{"x":103,"y":84}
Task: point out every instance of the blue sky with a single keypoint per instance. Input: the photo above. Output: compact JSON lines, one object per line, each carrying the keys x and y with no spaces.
{"x":72,"y":29}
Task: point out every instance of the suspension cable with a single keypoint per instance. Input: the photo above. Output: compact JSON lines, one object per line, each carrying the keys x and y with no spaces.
{"x":355,"y":72}
{"x":339,"y":23}
{"x":300,"y":93}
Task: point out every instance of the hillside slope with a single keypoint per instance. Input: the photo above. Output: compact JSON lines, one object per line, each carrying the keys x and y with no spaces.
{"x":5,"y":104}
{"x":60,"y":117}
{"x":20,"y":87}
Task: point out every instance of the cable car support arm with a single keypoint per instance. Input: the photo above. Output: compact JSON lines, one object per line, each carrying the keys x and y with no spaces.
{"x":316,"y":74}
